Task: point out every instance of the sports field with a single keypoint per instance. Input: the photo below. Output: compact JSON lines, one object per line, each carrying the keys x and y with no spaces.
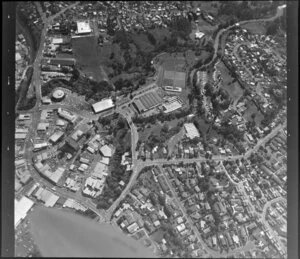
{"x":87,"y":55}
{"x":233,"y":88}
{"x":173,"y":71}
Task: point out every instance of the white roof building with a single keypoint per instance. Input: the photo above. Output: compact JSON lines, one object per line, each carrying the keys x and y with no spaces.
{"x":199,"y":35}
{"x":103,"y":105}
{"x":21,"y":209}
{"x":57,"y":40}
{"x":191,"y":130}
{"x":83,"y":27}
{"x":106,"y":151}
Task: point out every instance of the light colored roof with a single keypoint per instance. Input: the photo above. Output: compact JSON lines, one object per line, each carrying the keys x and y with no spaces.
{"x":20,"y":135}
{"x":42,"y":126}
{"x":60,"y":122}
{"x":103,"y":105}
{"x":99,"y":169}
{"x":106,"y":151}
{"x":57,"y":40}
{"x":83,"y":27}
{"x":199,"y":34}
{"x":21,"y":209}
{"x":104,"y":160}
{"x":58,"y":94}
{"x":191,"y":130}
{"x":169,"y":107}
{"x":56,"y":136}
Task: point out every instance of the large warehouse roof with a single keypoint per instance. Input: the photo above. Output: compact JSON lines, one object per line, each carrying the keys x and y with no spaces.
{"x":103,"y":105}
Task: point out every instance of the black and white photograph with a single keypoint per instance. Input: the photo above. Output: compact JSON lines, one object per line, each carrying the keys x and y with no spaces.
{"x":152,"y":129}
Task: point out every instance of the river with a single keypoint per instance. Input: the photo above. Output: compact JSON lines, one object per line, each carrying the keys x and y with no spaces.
{"x":64,"y":234}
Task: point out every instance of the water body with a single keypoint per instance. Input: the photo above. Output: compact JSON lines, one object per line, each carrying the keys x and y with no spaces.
{"x":64,"y":234}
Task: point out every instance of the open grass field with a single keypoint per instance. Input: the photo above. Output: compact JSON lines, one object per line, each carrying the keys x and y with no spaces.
{"x":255,"y":27}
{"x":142,"y":42}
{"x":253,"y":109}
{"x":160,"y":34}
{"x":87,"y":55}
{"x":234,"y":89}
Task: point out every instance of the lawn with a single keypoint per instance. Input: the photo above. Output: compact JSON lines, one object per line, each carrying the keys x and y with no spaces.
{"x":234,"y":89}
{"x":154,"y":129}
{"x":142,"y":42}
{"x":160,"y":34}
{"x":87,"y":56}
{"x":255,"y":27}
{"x":253,"y":109}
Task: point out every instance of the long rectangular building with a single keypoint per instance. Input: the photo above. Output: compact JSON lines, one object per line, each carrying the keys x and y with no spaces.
{"x":147,"y":101}
{"x":103,"y":105}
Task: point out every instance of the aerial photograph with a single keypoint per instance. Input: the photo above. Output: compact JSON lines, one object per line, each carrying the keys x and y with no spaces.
{"x":151,"y":129}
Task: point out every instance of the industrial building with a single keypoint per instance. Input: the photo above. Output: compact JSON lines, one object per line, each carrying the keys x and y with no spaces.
{"x":103,"y":105}
{"x":56,"y":137}
{"x":147,"y":101}
{"x":44,"y":170}
{"x":43,"y":126}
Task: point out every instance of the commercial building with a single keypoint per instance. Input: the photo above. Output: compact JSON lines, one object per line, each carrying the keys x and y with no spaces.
{"x":72,"y":144}
{"x":42,"y":126}
{"x":44,"y":170}
{"x":47,"y":197}
{"x":191,"y":130}
{"x":22,"y":207}
{"x":56,"y":137}
{"x":25,"y":116}
{"x":39,"y":146}
{"x":67,"y":115}
{"x":83,"y":27}
{"x":103,"y":105}
{"x":20,"y":136}
{"x":21,"y":130}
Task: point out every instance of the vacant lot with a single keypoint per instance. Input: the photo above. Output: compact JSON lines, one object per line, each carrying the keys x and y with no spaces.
{"x":234,"y":89}
{"x":142,"y":42}
{"x":160,"y":34}
{"x":255,"y":27}
{"x":87,"y":56}
{"x":252,"y":109}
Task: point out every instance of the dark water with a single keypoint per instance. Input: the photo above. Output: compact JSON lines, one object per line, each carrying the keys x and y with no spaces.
{"x":64,"y":234}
